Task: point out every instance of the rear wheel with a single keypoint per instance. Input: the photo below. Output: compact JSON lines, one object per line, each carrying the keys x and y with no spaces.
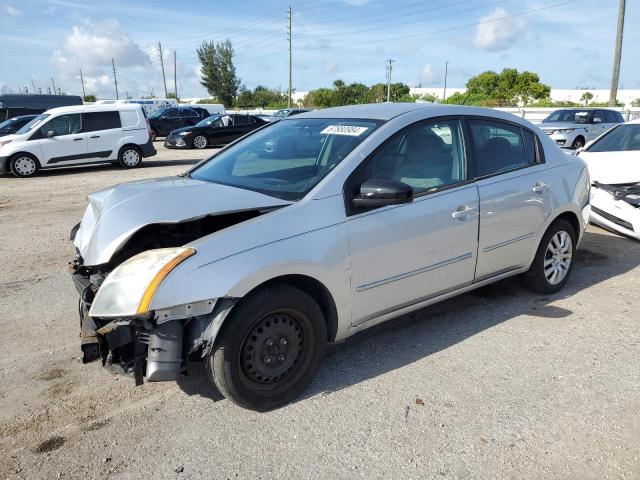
{"x":199,"y":141}
{"x":24,"y":165}
{"x":129,"y":157}
{"x":553,"y":262}
{"x":270,"y":348}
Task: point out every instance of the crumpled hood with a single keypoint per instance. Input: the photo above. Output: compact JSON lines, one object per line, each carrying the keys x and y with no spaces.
{"x":613,"y":167}
{"x":116,"y":213}
{"x":562,"y":125}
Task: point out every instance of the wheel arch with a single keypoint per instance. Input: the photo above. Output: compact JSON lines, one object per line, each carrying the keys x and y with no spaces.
{"x":29,"y":154}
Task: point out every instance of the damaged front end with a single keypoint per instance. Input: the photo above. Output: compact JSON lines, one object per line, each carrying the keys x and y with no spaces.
{"x":154,"y":345}
{"x":617,"y":208}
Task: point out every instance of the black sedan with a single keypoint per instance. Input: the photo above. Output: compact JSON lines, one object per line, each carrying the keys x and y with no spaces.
{"x":14,"y":124}
{"x":212,"y":131}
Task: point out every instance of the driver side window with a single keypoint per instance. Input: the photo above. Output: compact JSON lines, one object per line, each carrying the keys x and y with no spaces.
{"x":426,"y":155}
{"x":63,"y":125}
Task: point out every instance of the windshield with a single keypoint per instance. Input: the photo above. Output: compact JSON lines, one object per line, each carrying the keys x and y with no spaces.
{"x":29,"y":126}
{"x":8,"y":123}
{"x":288,"y":158}
{"x":280,"y":113}
{"x":158,"y":113}
{"x":623,"y":138}
{"x":568,"y":116}
{"x":208,"y":121}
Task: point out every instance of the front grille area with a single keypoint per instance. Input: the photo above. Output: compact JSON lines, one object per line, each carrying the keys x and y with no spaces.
{"x":612,"y":218}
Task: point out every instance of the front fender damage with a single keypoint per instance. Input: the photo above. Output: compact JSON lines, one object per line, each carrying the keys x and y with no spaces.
{"x":148,"y":347}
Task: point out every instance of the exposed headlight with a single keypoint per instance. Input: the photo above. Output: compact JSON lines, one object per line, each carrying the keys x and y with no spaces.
{"x":5,"y":142}
{"x":566,"y":130}
{"x":182,"y":134}
{"x":129,"y":288}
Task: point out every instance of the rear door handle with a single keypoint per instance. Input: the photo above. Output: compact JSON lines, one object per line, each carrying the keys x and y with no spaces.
{"x":463,"y":212}
{"x":540,"y":187}
{"x":95,"y":136}
{"x":77,"y":139}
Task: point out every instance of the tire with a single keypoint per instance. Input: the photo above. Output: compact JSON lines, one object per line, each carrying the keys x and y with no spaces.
{"x":129,"y":157}
{"x":154,"y":134}
{"x":269,"y":349}
{"x":199,"y":142}
{"x":577,"y":143}
{"x":556,"y":249}
{"x":24,"y":165}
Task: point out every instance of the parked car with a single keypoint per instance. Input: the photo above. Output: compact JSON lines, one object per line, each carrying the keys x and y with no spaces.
{"x":254,"y":260}
{"x":573,"y":128}
{"x":75,"y":136}
{"x":614,"y":167}
{"x":16,"y":104}
{"x":165,"y":120}
{"x":286,"y":112}
{"x":14,"y":124}
{"x":214,"y":130}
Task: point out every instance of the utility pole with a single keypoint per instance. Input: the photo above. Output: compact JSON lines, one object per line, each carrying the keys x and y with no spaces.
{"x":290,"y":54}
{"x":446,"y":71}
{"x":54,"y":86}
{"x":389,"y":69}
{"x":115,"y":78}
{"x":613,"y":95}
{"x":175,"y":76}
{"x":164,"y":80}
{"x":82,"y":82}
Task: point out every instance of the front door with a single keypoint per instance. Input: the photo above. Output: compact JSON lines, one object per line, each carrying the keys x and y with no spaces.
{"x":515,"y":195}
{"x":404,"y":254}
{"x":68,"y":145}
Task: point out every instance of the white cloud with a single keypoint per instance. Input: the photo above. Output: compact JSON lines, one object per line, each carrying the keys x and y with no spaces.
{"x":493,"y":34}
{"x":10,"y":9}
{"x":429,"y":74}
{"x":356,"y":2}
{"x":331,"y":66}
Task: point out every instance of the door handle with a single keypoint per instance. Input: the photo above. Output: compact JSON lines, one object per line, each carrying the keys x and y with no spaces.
{"x":540,"y":187}
{"x":77,"y":139}
{"x":462,"y":212}
{"x":95,"y":136}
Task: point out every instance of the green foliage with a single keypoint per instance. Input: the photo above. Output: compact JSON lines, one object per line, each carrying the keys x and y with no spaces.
{"x":586,"y":97}
{"x":208,"y":100}
{"x":548,"y":103}
{"x":217,"y":71}
{"x":89,"y":98}
{"x":355,"y":93}
{"x":636,"y":102}
{"x":173,"y":95}
{"x":260,"y":97}
{"x":606,"y":104}
{"x":504,"y":89}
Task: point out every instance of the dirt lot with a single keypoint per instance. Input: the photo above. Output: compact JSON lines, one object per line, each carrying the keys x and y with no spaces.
{"x":499,"y":383}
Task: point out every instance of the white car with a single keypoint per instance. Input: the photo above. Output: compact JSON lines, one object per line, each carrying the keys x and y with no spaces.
{"x":614,"y":166}
{"x":78,"y":135}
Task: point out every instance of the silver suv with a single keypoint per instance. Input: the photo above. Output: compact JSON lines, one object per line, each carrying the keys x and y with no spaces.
{"x":573,"y":128}
{"x":316,"y":227}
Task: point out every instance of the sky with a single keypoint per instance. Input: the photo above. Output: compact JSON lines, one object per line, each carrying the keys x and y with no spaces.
{"x":568,"y":43}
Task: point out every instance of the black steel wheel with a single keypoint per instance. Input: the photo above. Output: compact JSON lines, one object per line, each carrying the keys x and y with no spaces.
{"x":577,"y":143}
{"x":269,"y":349}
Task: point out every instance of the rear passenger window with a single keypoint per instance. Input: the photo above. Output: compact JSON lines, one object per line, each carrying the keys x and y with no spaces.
{"x":94,"y":121}
{"x":611,"y":116}
{"x":497,"y":147}
{"x":241,"y":120}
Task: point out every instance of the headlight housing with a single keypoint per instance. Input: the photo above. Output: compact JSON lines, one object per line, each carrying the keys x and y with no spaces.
{"x":566,"y":130}
{"x":182,"y":134}
{"x":5,"y":142}
{"x":129,"y":288}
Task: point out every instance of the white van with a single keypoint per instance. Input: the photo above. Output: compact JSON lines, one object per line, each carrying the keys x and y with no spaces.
{"x":78,"y":135}
{"x":149,"y":105}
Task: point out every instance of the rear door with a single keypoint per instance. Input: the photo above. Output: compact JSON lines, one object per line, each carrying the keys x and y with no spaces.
{"x":68,"y":145}
{"x":515,"y":194}
{"x":104,"y":131}
{"x":598,"y":124}
{"x":188,"y":117}
{"x":222,"y":131}
{"x":170,"y":121}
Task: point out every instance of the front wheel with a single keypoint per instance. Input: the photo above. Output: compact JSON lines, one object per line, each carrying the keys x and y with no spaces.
{"x":200,"y":142}
{"x":24,"y":165}
{"x":129,"y":157}
{"x":577,"y":143}
{"x":269,"y":349}
{"x":553,"y":262}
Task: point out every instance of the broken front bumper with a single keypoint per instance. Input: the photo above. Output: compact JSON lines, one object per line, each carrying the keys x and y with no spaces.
{"x":616,"y":208}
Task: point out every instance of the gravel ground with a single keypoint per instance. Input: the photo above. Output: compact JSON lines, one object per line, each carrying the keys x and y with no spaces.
{"x":498,"y":383}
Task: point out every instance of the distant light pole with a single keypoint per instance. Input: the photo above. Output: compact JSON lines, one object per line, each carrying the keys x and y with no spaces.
{"x":446,"y":72}
{"x":389,"y":69}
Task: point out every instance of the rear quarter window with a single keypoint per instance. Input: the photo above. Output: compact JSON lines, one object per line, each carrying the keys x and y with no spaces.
{"x":130,"y":119}
{"x":94,"y":121}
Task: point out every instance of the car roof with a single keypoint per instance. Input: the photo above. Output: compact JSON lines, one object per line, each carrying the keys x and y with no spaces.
{"x":94,"y":108}
{"x":387,"y":111}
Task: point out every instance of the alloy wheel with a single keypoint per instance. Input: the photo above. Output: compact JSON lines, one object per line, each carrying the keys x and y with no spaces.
{"x":131,"y":158}
{"x":558,"y":256}
{"x":200,"y":142}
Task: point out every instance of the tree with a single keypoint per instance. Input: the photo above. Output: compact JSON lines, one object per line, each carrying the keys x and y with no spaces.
{"x":89,"y":98}
{"x":217,"y":71}
{"x":507,"y":88}
{"x":636,"y":102}
{"x":172,"y":95}
{"x":586,"y":97}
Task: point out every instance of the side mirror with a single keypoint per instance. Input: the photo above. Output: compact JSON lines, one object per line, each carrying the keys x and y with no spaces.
{"x":51,"y":134}
{"x":379,"y":192}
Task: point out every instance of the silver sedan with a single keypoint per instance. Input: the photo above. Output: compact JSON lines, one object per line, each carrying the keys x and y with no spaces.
{"x":316,"y":227}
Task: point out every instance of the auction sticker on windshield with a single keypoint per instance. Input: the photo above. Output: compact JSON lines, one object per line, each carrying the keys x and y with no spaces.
{"x":351,"y":130}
